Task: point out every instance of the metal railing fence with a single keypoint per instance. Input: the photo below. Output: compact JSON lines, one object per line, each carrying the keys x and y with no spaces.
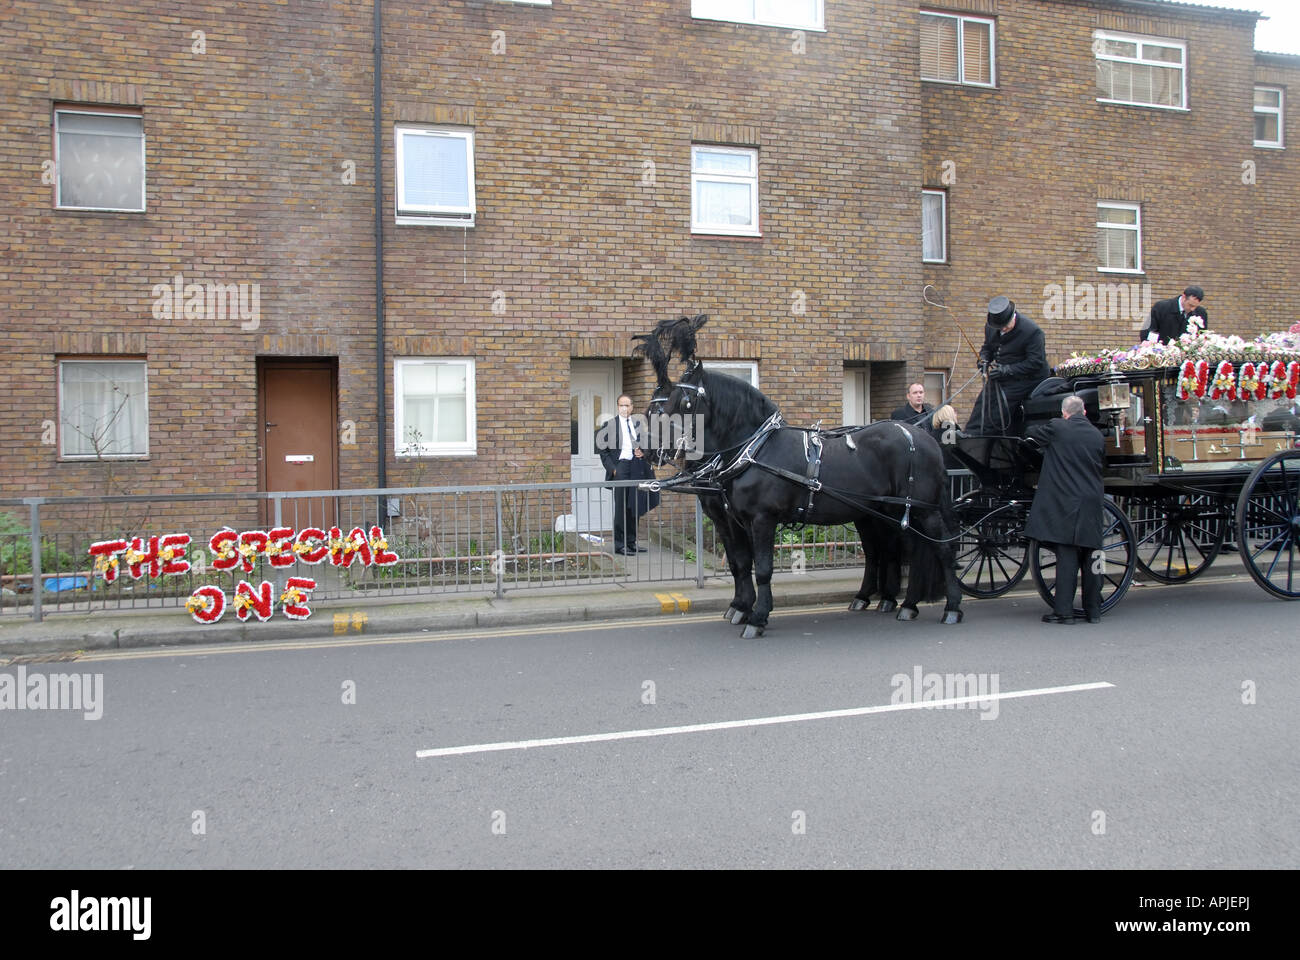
{"x":488,"y":539}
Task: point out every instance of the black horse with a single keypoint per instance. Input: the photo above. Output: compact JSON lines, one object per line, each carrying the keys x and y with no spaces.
{"x":887,"y":479}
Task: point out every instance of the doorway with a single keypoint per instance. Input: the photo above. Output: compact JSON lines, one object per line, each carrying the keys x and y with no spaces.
{"x":298,"y":450}
{"x":594,"y":386}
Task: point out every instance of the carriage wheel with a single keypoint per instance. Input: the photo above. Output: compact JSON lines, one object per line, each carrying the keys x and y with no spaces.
{"x":992,"y":554}
{"x":1268,"y":524}
{"x":1117,"y":571}
{"x":1179,"y":536}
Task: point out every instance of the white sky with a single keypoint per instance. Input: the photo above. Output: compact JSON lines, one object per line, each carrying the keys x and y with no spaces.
{"x":1280,"y":33}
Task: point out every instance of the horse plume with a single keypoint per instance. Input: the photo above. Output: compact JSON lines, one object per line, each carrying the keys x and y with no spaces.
{"x":680,"y":334}
{"x":652,"y":348}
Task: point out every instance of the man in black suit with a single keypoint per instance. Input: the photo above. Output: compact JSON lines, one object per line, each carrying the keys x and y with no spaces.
{"x":1067,"y":511}
{"x":1168,"y":320}
{"x":1015,"y":357}
{"x":620,"y":448}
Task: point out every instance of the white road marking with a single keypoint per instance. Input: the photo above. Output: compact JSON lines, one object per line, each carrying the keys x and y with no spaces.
{"x":756,"y":722}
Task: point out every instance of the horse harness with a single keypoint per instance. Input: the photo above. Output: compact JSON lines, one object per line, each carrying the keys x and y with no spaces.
{"x":715,"y":476}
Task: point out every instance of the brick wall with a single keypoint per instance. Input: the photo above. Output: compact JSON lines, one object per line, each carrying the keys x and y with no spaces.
{"x":584,"y":115}
{"x":1032,"y":157}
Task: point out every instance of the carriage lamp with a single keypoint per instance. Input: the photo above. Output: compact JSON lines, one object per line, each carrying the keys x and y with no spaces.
{"x":1113,"y":398}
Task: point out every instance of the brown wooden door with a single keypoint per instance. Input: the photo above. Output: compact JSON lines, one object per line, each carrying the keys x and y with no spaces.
{"x":299,"y":401}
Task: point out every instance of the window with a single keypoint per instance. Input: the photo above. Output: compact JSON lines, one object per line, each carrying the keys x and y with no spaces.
{"x":103,"y":409}
{"x":435,"y":176}
{"x":936,"y":387}
{"x":1119,"y":237}
{"x":99,"y":156}
{"x":934,"y":226}
{"x":1140,"y":70}
{"x":1268,"y":117}
{"x":724,"y":190}
{"x":434,"y":409}
{"x":807,"y":14}
{"x":956,"y":49}
{"x":744,"y":370}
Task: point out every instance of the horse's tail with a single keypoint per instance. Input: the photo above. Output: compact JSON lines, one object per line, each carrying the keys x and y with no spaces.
{"x":926,"y":571}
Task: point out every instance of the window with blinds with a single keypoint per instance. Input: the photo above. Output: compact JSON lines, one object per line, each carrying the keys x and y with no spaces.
{"x":435,"y":176}
{"x":956,"y":49}
{"x":1141,"y":71}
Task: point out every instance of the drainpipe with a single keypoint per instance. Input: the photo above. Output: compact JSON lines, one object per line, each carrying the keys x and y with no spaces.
{"x":381,"y":407}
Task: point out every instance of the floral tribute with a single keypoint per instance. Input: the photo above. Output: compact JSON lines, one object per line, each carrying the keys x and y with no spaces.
{"x":1268,"y":366}
{"x":239,"y":551}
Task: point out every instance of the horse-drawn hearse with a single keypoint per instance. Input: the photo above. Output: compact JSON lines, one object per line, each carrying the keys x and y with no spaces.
{"x":1201,"y":452}
{"x":1201,"y":449}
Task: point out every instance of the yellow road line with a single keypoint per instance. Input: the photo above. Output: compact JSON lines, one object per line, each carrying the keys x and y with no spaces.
{"x":468,"y":633}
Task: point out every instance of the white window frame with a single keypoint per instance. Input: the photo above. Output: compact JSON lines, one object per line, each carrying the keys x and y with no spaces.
{"x":1100,"y":35}
{"x":144,"y":169}
{"x":64,"y":430}
{"x":722,"y":366}
{"x":734,"y":11}
{"x":926,"y":378}
{"x":431,"y":215}
{"x":1279,"y":111}
{"x":961,"y":50}
{"x":1135,"y":228}
{"x":433,"y":448}
{"x":729,"y":229}
{"x":943,"y":226}
{"x":535,"y":3}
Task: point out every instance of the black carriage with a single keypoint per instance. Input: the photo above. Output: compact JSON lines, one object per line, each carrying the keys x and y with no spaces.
{"x":1191,"y":469}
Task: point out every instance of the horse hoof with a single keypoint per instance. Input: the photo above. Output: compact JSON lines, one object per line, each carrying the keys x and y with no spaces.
{"x":858,"y":604}
{"x":907,"y":613}
{"x":887,"y":606}
{"x":738,"y":617}
{"x":951,"y":616}
{"x":730,"y":612}
{"x":751,"y":632}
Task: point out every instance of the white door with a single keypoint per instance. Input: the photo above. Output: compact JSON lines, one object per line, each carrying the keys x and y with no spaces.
{"x":857,"y":395}
{"x":593,"y":398}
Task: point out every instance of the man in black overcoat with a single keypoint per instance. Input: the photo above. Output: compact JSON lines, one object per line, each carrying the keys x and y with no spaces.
{"x":621,"y":448}
{"x":1014,"y":356}
{"x":1168,"y":320}
{"x":1067,"y":511}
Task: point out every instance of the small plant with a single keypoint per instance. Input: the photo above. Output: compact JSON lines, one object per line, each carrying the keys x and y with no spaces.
{"x":16,"y":550}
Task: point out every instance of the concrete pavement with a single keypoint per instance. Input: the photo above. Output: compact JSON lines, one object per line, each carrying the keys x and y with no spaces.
{"x":549,"y":606}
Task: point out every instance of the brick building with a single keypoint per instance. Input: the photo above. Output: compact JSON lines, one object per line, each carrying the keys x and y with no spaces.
{"x":190,"y":251}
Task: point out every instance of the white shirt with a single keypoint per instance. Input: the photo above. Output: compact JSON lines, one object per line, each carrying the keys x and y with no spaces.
{"x":625,"y":424}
